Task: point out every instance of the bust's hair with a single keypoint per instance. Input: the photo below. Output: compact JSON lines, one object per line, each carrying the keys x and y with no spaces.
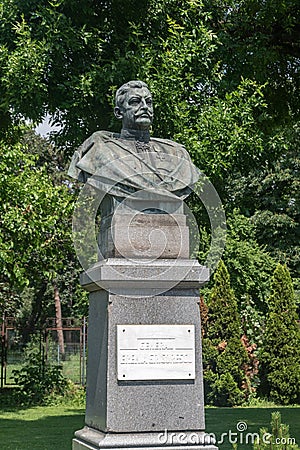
{"x":121,"y":92}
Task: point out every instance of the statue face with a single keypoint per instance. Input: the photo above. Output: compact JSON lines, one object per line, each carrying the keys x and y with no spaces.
{"x":136,"y":111}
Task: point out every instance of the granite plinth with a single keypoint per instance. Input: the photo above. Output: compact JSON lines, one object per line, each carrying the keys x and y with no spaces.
{"x":125,"y":276}
{"x":89,"y":439}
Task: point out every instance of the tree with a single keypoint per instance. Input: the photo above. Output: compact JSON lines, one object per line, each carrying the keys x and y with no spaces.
{"x":260,"y":41}
{"x":59,"y":324}
{"x":54,"y":61}
{"x":224,"y":78}
{"x":223,"y":352}
{"x":249,"y":264}
{"x":269,"y":196}
{"x":280,"y":357}
{"x":35,"y":233}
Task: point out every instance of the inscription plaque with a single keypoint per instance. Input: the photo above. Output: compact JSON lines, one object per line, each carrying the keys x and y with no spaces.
{"x":156,"y":352}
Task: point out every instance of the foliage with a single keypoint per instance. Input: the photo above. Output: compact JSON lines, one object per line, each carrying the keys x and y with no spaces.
{"x":74,"y":64}
{"x":260,"y":41}
{"x":252,"y":321}
{"x":280,"y":358}
{"x":35,"y":230}
{"x":73,"y":395}
{"x":269,"y":196}
{"x":191,"y":48}
{"x":33,"y":214}
{"x":249,"y":264}
{"x":225,"y":79}
{"x":278,"y":438}
{"x":224,"y":134}
{"x":223,"y":352}
{"x":38,"y":380}
{"x":222,"y":390}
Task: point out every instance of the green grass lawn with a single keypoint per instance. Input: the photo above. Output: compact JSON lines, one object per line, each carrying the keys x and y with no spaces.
{"x":52,"y":427}
{"x":39,"y":428}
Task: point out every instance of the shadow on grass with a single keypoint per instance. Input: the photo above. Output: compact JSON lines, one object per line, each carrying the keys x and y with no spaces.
{"x":46,"y":433}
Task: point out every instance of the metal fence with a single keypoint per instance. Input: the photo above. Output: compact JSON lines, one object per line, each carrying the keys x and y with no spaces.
{"x":72,"y":356}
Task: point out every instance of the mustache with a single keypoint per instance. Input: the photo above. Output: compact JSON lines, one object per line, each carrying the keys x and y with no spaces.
{"x":144,"y":113}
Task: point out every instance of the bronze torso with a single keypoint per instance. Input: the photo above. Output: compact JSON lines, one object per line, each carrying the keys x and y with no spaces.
{"x":122,"y":165}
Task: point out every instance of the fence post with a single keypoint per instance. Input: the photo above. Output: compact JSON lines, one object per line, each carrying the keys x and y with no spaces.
{"x":84,"y":353}
{"x":2,"y":350}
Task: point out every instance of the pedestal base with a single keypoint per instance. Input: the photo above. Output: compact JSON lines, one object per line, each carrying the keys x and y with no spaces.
{"x":154,"y":303}
{"x":89,"y":439}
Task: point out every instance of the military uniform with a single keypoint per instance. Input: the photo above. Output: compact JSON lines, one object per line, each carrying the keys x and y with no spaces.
{"x":122,"y":166}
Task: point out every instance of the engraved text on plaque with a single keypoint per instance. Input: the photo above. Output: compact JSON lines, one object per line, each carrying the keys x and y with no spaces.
{"x":156,"y":352}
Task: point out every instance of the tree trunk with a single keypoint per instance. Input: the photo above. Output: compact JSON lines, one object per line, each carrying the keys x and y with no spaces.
{"x":33,"y":323}
{"x":58,"y":317}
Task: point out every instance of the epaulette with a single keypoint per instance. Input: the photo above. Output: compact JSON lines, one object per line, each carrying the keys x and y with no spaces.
{"x":166,"y":141}
{"x":105,"y":135}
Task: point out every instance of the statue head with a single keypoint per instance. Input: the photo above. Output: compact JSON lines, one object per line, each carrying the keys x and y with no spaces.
{"x":134,"y":105}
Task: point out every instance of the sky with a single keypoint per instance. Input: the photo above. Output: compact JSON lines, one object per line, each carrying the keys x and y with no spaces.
{"x":44,"y":127}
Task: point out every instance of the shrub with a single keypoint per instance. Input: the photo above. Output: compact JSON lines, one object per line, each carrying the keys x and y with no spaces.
{"x":223,"y":389}
{"x":280,"y":357}
{"x":37,"y":380}
{"x":224,"y":355}
{"x":278,"y":438}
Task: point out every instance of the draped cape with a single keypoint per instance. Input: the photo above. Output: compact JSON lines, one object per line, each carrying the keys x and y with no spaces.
{"x":113,"y":165}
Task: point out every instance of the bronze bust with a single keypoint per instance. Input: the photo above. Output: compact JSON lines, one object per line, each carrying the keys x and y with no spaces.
{"x":132,"y":160}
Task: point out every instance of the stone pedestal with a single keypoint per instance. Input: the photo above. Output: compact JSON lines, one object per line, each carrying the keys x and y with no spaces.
{"x":145,"y":412}
{"x":130,"y":229}
{"x":144,"y":236}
